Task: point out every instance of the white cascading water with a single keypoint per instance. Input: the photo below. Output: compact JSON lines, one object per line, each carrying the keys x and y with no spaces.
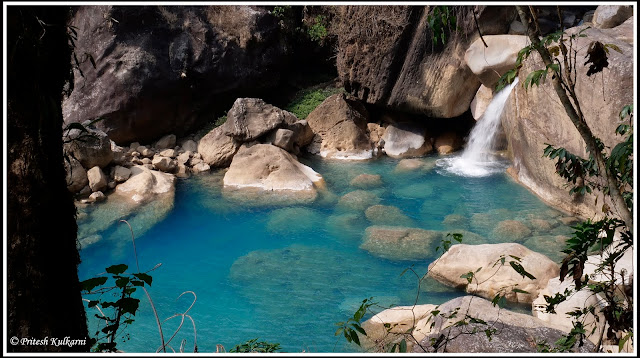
{"x":478,"y":159}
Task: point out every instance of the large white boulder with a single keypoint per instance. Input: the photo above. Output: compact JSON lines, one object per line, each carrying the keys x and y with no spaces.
{"x":267,"y":167}
{"x":493,"y":278}
{"x":144,"y":184}
{"x":389,"y":326}
{"x":491,"y":62}
{"x":403,"y":140}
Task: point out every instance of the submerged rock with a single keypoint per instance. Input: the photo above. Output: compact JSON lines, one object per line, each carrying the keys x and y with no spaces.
{"x":348,"y":225}
{"x":510,"y":231}
{"x":400,"y":243}
{"x":358,"y":200}
{"x":366,"y":181}
{"x":414,"y":164}
{"x":548,"y":245}
{"x":293,"y":221}
{"x":455,"y":220}
{"x":461,"y":259}
{"x":387,"y":215}
{"x":302,"y":277}
{"x":421,"y":190}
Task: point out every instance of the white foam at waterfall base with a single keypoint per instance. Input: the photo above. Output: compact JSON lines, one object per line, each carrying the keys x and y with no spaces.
{"x":478,"y":159}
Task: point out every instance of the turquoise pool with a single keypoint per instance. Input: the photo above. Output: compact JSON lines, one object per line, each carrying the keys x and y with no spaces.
{"x":286,"y":274}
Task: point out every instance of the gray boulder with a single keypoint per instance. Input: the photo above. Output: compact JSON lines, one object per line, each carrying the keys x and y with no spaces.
{"x":97,"y":179}
{"x":91,"y":148}
{"x":608,"y":16}
{"x":76,"y":175}
{"x":217,"y":149}
{"x":250,"y":118}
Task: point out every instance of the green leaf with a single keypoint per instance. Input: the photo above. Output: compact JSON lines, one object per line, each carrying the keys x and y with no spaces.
{"x":90,"y":284}
{"x":92,"y":303}
{"x":359,"y":329}
{"x":354,"y":337}
{"x":122,"y":282}
{"x":137,"y":283}
{"x":117,"y":269}
{"x":519,"y":269}
{"x":403,"y":346}
{"x":128,"y":305}
{"x":517,"y":290}
{"x":469,"y":276}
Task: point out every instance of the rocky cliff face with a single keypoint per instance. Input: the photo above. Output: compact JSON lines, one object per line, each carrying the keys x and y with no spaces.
{"x":389,"y":59}
{"x":160,"y":68}
{"x":535,"y":116}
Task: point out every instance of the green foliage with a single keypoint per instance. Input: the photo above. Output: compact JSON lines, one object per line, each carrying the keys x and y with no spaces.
{"x":220,"y":121}
{"x":620,"y":161}
{"x":118,"y":312}
{"x":572,"y":168}
{"x":351,"y":327}
{"x":558,"y":40}
{"x":446,"y":243}
{"x":317,"y":31}
{"x":255,"y":346}
{"x":280,"y":11}
{"x":583,"y":173}
{"x":440,"y":19}
{"x":618,"y":310}
{"x":307,"y":100}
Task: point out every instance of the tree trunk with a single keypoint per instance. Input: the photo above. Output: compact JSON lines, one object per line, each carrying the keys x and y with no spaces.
{"x":43,"y":292}
{"x":576,"y":117}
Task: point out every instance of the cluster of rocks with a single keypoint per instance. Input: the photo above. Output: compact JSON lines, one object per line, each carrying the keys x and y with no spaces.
{"x":258,"y":143}
{"x":97,"y":166}
{"x":516,"y":332}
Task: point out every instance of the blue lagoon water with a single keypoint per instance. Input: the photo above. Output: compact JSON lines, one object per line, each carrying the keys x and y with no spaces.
{"x":287,"y":274}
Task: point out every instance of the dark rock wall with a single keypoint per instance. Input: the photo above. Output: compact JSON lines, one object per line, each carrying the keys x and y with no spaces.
{"x":161,"y":69}
{"x":389,"y":59}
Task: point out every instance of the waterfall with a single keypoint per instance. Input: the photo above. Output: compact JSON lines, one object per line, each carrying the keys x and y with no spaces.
{"x":477,"y":159}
